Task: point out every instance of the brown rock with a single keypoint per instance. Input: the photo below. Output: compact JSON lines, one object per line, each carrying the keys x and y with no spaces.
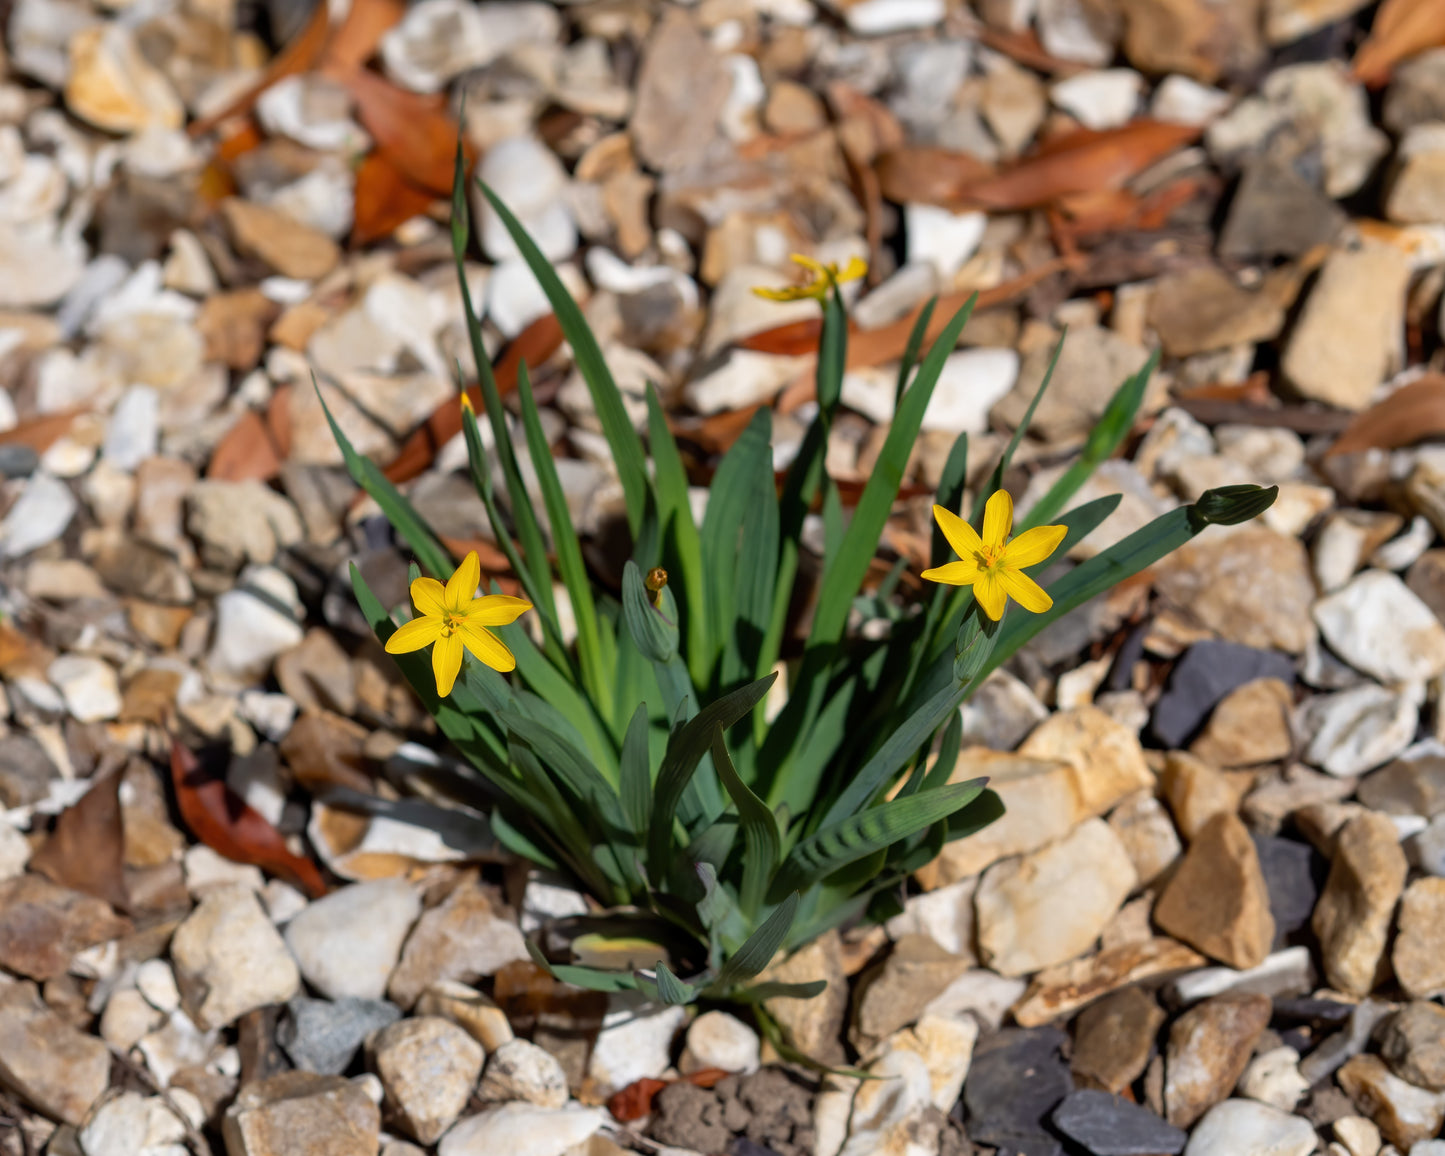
{"x":1249,"y":726}
{"x":234,"y":325}
{"x":1113,"y":1039}
{"x":894,"y":993}
{"x":298,"y":1112}
{"x":1201,"y":40}
{"x":681,"y":88}
{"x":282,"y":242}
{"x":1426,"y":577}
{"x":1352,"y":917}
{"x":1217,"y":900}
{"x":1060,"y":991}
{"x":813,"y":1026}
{"x":792,"y":109}
{"x":1419,"y":954}
{"x":1406,"y":787}
{"x":45,"y":1061}
{"x":1196,"y":791}
{"x":150,"y":695}
{"x":43,"y":925}
{"x":429,"y":1067}
{"x":1203,"y":308}
{"x":1148,"y":835}
{"x":1404,"y":1113}
{"x":317,"y":675}
{"x":159,"y":625}
{"x":325,"y":750}
{"x":1209,"y":1048}
{"x":1414,"y":1044}
{"x":1252,"y":586}
{"x":464,"y":938}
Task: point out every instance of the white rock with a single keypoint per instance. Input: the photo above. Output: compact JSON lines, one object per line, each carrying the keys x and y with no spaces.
{"x":177,"y":1044}
{"x":971,"y":382}
{"x":440,"y":39}
{"x":739,"y":116}
{"x":1380,"y":626}
{"x":884,"y":1106}
{"x":719,"y":1040}
{"x":188,"y":267}
{"x":133,"y":1125}
{"x":981,"y":993}
{"x":1183,"y":100}
{"x":880,"y":17}
{"x":520,"y":1070}
{"x":128,"y":1019}
{"x":37,"y":265}
{"x":38,"y":517}
{"x":1246,"y":1128}
{"x":1403,"y":549}
{"x":311,"y":110}
{"x":1359,"y":729}
{"x":251,"y":633}
{"x":230,"y":960}
{"x":207,"y":871}
{"x":14,"y":851}
{"x":89,"y":686}
{"x":134,"y":428}
{"x":347,"y":943}
{"x":155,"y":980}
{"x":896,"y":297}
{"x":746,"y":378}
{"x":527,"y":177}
{"x":1273,"y":1078}
{"x":283,"y":902}
{"x":1050,"y":905}
{"x":945,"y":915}
{"x":522,"y":1130}
{"x":635,"y":1041}
{"x":1287,"y":972}
{"x":545,"y":899}
{"x":1100,"y":100}
{"x":942,"y":238}
{"x":1425,"y":850}
{"x":514,"y":298}
{"x":1071,"y":29}
{"x":945,"y":1044}
{"x":1358,"y":1134}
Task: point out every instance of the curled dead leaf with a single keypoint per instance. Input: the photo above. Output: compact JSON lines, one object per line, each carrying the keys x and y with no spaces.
{"x":384,"y":200}
{"x":1410,"y":414}
{"x":86,"y":850}
{"x":1401,"y":29}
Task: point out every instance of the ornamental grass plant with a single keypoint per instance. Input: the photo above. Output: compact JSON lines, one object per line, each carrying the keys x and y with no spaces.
{"x":727,"y":789}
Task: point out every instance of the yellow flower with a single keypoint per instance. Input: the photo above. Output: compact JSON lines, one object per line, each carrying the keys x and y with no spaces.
{"x":824,"y":278}
{"x":452,"y":617}
{"x":991,"y":564}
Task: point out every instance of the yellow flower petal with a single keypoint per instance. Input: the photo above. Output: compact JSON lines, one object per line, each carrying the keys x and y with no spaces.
{"x":963,"y":573}
{"x":446,"y":661}
{"x":496,"y":610}
{"x":1024,"y":590}
{"x":990,"y":594}
{"x":414,"y":635}
{"x":998,"y":520}
{"x":428,"y":596}
{"x":487,"y":647}
{"x":462,"y":585}
{"x":792,"y":293}
{"x":1033,"y":546}
{"x":961,"y":536}
{"x":855,"y":268}
{"x":814,"y":266}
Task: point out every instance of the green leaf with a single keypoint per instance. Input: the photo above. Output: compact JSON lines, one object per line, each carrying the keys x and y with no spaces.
{"x":987,"y":808}
{"x":399,"y":512}
{"x":680,"y":536}
{"x":590,"y":978}
{"x":844,"y":842}
{"x":758,"y":951}
{"x":517,"y":841}
{"x":1230,"y":505}
{"x":1108,"y":433}
{"x":685,"y":749}
{"x":572,"y":768}
{"x":671,"y":990}
{"x":911,"y":350}
{"x":636,"y":773}
{"x":950,"y":495}
{"x":948,"y":748}
{"x":995,"y":481}
{"x":597,"y":674}
{"x":762,"y":842}
{"x":832,"y":352}
{"x":774,"y":989}
{"x":655,"y":634}
{"x":976,"y":639}
{"x":626,"y":446}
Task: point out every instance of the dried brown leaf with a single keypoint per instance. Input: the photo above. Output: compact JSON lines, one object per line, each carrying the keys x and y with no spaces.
{"x":86,"y":850}
{"x":1402,"y":28}
{"x":1410,"y":414}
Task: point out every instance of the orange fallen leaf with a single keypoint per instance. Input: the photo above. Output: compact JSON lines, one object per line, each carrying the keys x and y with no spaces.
{"x":356,"y":40}
{"x":534,"y":345}
{"x":229,"y":826}
{"x":278,"y":421}
{"x":1401,"y":29}
{"x":86,"y":850}
{"x":1024,"y":48}
{"x":932,"y":175}
{"x":384,"y":200}
{"x":634,"y":1101}
{"x":246,"y":452}
{"x":40,"y":433}
{"x":1410,"y":414}
{"x":414,"y":132}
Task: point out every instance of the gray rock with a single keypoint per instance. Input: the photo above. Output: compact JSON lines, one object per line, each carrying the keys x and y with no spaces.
{"x":1417,"y":91}
{"x":1205,"y":674}
{"x":1294,"y":873}
{"x":1414,"y":1044}
{"x":1109,"y":1126}
{"x":39,"y":516}
{"x":1277,"y":213}
{"x":25,"y":771}
{"x":1017,"y":1078}
{"x":324,"y":1036}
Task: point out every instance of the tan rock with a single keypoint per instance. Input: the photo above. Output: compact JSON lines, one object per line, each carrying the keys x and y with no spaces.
{"x":1419,"y":954}
{"x":813,"y":1026}
{"x":1249,"y":726}
{"x":1114,"y":1038}
{"x":1049,"y":906}
{"x":302,"y":1112}
{"x":43,"y":925}
{"x":45,"y":1061}
{"x":1196,"y":791}
{"x":895,"y":992}
{"x":282,"y":242}
{"x":1217,"y":900}
{"x":1105,"y":753}
{"x":1202,"y":308}
{"x":428,"y":1067}
{"x":1404,"y":1113}
{"x":1060,"y":991}
{"x":1209,"y":1048}
{"x":114,"y":87}
{"x":483,"y":1020}
{"x":682,"y":86}
{"x":1352,"y":917}
{"x":463,"y":938}
{"x":1148,"y":835}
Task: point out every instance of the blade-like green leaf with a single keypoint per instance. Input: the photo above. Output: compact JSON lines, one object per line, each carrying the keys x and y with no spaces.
{"x":950,"y":495}
{"x":948,"y":748}
{"x":995,"y":481}
{"x":680,"y":536}
{"x":399,"y":512}
{"x":671,"y":990}
{"x":761,"y":946}
{"x":832,"y":352}
{"x":626,"y":446}
{"x":761,"y":839}
{"x":571,"y":767}
{"x":585,"y":977}
{"x":844,"y":842}
{"x":911,"y":350}
{"x":1108,"y":432}
{"x":773,"y":989}
{"x":636,"y":785}
{"x":985,"y":809}
{"x":656,"y":636}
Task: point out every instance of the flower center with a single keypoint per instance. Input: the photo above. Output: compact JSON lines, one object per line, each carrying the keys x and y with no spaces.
{"x":450,"y":623}
{"x":990,"y":557}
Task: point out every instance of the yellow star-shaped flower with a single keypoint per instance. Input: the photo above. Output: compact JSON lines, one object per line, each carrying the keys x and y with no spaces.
{"x":993,"y":565}
{"x":824,"y":278}
{"x":452,"y":618}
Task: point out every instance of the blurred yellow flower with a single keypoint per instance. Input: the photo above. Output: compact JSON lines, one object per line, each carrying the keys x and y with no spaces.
{"x":824,"y":278}
{"x":452,"y":618}
{"x":993,"y":565}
